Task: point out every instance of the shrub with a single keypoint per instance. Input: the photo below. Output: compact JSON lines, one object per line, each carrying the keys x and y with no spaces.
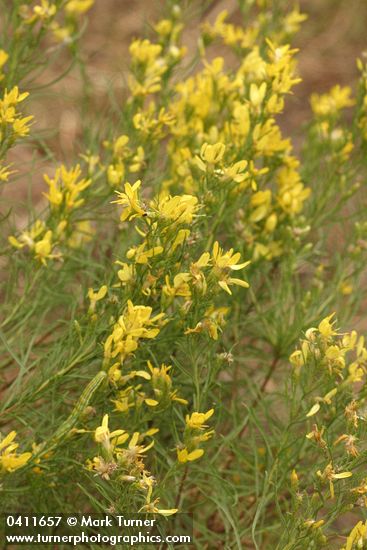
{"x":175,"y":315}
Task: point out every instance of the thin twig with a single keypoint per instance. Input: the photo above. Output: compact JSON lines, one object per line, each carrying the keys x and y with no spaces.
{"x":180,"y":489}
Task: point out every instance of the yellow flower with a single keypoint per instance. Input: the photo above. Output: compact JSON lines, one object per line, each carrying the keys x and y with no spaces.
{"x":330,"y":475}
{"x":99,"y":295}
{"x":181,"y":236}
{"x":108,"y":439}
{"x":138,"y":160}
{"x":76,"y":7}
{"x":223,"y":264}
{"x":180,"y":286}
{"x":95,"y":297}
{"x":194,"y":435}
{"x":294,"y":480}
{"x":27,"y":238}
{"x":130,"y":201}
{"x":5,"y":173}
{"x":162,"y":387}
{"x":212,"y":322}
{"x":135,"y":323}
{"x":150,"y":506}
{"x":82,"y":233}
{"x":236,"y":172}
{"x":42,"y":12}
{"x":21,"y":126}
{"x":135,"y":451}
{"x":297,"y":359}
{"x":292,"y":21}
{"x":10,"y":460}
{"x":196,"y":270}
{"x":183,"y":455}
{"x":141,"y":254}
{"x":3,"y":59}
{"x":196,"y":420}
{"x":143,"y":51}
{"x":315,"y":409}
{"x":65,"y":188}
{"x":329,"y":104}
{"x":261,"y":202}
{"x":210,"y":155}
{"x":115,"y":173}
{"x":326,"y":327}
{"x":126,"y":273}
{"x":17,"y":126}
{"x":91,"y":160}
{"x":357,"y":537}
{"x":164,"y":27}
{"x":178,"y":209}
{"x":292,"y":193}
{"x":257,"y":94}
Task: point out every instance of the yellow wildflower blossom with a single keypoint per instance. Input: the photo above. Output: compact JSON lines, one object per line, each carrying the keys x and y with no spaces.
{"x":178,"y":209}
{"x":5,"y":173}
{"x":210,"y":155}
{"x":95,"y":297}
{"x":3,"y":59}
{"x":180,"y":285}
{"x":150,"y":506}
{"x":223,"y":264}
{"x":183,"y":455}
{"x":141,"y":254}
{"x":329,"y":104}
{"x":41,"y":12}
{"x":108,"y":439}
{"x":65,"y":188}
{"x":357,"y":537}
{"x":76,"y":7}
{"x":10,"y":460}
{"x":162,"y":386}
{"x":325,"y":327}
{"x":331,"y":475}
{"x":197,"y":420}
{"x":130,"y":201}
{"x":135,"y":323}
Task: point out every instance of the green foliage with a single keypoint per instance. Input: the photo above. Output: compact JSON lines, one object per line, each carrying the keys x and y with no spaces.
{"x":140,"y":369}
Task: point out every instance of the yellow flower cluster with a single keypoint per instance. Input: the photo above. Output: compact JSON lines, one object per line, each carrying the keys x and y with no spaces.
{"x":135,"y":323}
{"x":60,"y":18}
{"x":203,"y":184}
{"x":241,"y":39}
{"x":65,"y":189}
{"x":126,"y":463}
{"x":150,"y":62}
{"x":329,"y":348}
{"x":194,"y":435}
{"x":330,"y":104}
{"x":158,"y":394}
{"x":38,"y":239}
{"x":12,"y":124}
{"x":220,"y":134}
{"x":124,"y":159}
{"x":45,"y":239}
{"x":337,"y":362}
